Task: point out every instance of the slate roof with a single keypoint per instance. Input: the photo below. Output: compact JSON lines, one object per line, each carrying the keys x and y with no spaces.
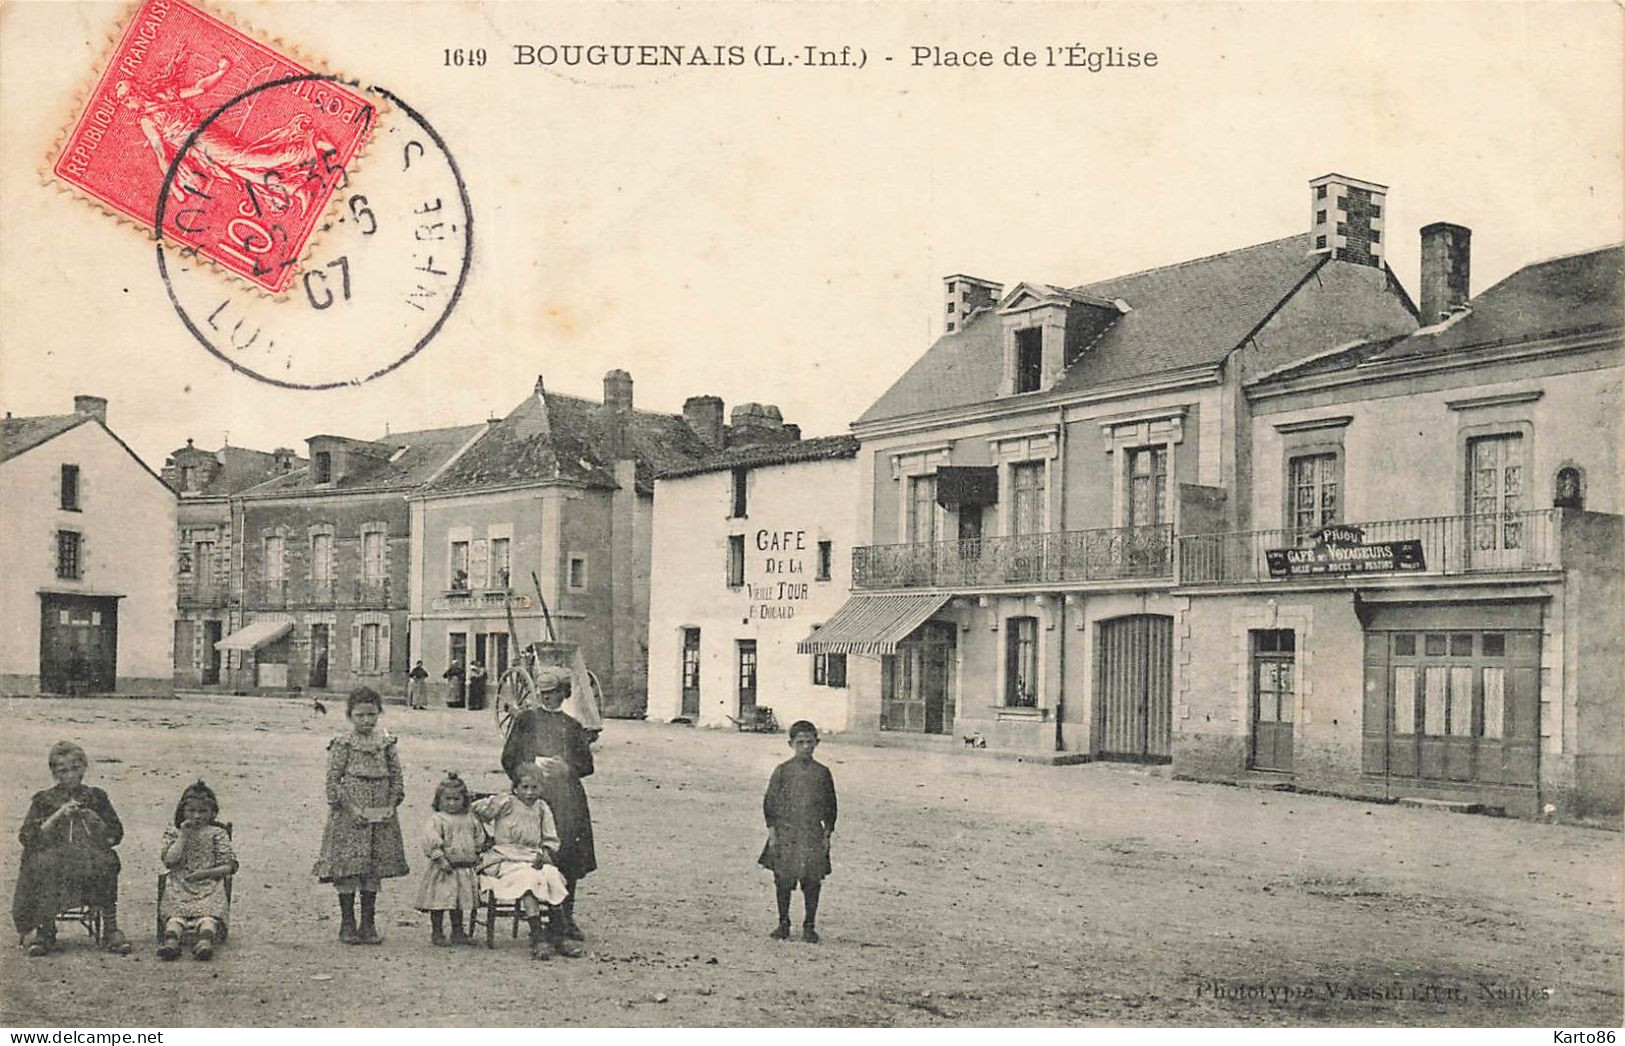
{"x":1188,"y":314}
{"x":416,"y":458}
{"x":20,"y":434}
{"x":552,"y":437}
{"x":758,"y":455}
{"x":241,"y":468}
{"x":1569,"y":295}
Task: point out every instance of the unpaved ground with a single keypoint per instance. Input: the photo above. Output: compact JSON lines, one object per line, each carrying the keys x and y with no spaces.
{"x":966,"y":891}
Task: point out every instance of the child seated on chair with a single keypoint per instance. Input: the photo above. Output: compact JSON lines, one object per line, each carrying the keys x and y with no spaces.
{"x":68,"y":858}
{"x":197,"y":851}
{"x":520,"y":866}
{"x":452,"y":841}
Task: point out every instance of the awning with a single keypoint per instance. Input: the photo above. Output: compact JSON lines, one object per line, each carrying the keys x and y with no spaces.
{"x":254,"y":635}
{"x":872,"y":624}
{"x":967,"y":485}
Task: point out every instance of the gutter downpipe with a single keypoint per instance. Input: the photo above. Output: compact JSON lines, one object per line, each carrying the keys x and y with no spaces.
{"x":1060,"y":624}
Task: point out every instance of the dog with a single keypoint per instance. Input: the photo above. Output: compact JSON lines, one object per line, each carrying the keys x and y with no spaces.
{"x":974,"y":741}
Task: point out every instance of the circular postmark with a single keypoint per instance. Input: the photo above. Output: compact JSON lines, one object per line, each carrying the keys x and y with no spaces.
{"x":383,"y":264}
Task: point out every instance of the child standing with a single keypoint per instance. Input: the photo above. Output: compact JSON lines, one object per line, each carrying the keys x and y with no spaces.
{"x":198,"y":853}
{"x":452,"y":840}
{"x":800,"y":811}
{"x":68,"y":858}
{"x":521,"y":864}
{"x":362,"y":845}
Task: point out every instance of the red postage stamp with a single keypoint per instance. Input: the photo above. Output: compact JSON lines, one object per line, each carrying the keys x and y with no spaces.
{"x":238,"y":148}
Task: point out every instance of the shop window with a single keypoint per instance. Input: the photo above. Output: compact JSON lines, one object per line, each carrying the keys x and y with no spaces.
{"x":68,"y":559}
{"x":70,"y":487}
{"x":1021,"y":663}
{"x":736,"y":560}
{"x":829,"y":670}
{"x":825,"y":560}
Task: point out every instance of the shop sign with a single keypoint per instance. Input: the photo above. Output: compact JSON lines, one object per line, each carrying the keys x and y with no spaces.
{"x":1343,"y":549}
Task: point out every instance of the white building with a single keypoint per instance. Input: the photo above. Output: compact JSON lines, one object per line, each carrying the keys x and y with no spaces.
{"x":752,"y":550}
{"x":87,"y":532}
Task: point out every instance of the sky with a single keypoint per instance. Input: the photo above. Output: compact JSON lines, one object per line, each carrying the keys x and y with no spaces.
{"x":780,"y":235}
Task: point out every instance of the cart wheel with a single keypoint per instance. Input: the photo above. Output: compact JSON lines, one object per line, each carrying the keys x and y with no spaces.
{"x":514,"y":691}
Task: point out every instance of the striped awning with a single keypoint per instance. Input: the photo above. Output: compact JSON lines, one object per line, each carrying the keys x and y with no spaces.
{"x":254,"y":635}
{"x":872,"y":624}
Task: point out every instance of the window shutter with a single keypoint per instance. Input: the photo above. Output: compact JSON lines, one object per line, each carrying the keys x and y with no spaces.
{"x":355,"y":647}
{"x":384,"y":664}
{"x":479,"y":564}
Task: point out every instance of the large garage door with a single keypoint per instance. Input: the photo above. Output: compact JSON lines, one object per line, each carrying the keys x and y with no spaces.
{"x":1134,"y":668}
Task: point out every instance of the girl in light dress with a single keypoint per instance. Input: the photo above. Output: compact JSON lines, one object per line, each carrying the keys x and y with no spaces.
{"x":520,"y":866}
{"x":452,"y":840}
{"x":199,"y":857}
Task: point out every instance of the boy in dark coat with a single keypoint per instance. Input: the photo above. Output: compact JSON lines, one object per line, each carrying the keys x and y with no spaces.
{"x":800,"y":811}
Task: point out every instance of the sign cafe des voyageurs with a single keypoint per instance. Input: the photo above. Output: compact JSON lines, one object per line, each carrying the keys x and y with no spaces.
{"x":1342,"y":549}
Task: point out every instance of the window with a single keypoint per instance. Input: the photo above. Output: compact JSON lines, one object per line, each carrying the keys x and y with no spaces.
{"x":369,"y":647}
{"x":950,"y":326}
{"x":321,"y":557}
{"x":1495,"y":492}
{"x":1029,"y":359}
{"x":1320,"y":243}
{"x":70,"y":487}
{"x":203,"y":561}
{"x":736,"y":560}
{"x":578,"y":572}
{"x":950,"y":308}
{"x":188,"y":477}
{"x":1376,"y":236}
{"x":829,"y":670}
{"x":1320,"y":192}
{"x":825,"y":557}
{"x":273,"y":557}
{"x":501,"y":563}
{"x":1313,"y":494}
{"x":1376,"y":210}
{"x":1027,"y":498}
{"x":1021,"y":663}
{"x":736,"y":493}
{"x":1147,"y":486}
{"x":372,"y":555}
{"x":950,"y":286}
{"x":68,"y":565}
{"x":922,"y":509}
{"x":1320,"y":217}
{"x":459,"y":565}
{"x":322,"y":466}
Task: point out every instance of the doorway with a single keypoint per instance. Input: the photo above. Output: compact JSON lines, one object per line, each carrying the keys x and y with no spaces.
{"x":320,"y":651}
{"x":1274,"y":698}
{"x":691,"y":673}
{"x":1134,"y":669}
{"x":917,"y":683}
{"x":747,"y":678}
{"x":213,"y":631}
{"x":78,"y":644}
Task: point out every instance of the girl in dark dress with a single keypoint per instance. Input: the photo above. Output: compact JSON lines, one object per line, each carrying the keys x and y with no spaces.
{"x":800,"y":811}
{"x":549,"y":737}
{"x":68,"y":858}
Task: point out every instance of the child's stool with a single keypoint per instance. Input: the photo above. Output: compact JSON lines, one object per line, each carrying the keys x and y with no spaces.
{"x":162,"y":876}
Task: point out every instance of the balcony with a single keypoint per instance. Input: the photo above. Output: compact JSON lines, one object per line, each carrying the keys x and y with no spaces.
{"x":1111,"y":554}
{"x":202,"y":592}
{"x":1513,"y":541}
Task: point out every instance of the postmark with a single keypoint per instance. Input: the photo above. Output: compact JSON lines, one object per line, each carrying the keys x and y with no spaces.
{"x":249,"y":182}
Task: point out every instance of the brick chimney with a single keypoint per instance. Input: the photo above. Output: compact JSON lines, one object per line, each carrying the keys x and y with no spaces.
{"x":1446,"y":257}
{"x":1346,"y":219}
{"x":91,"y":406}
{"x":618,"y":391}
{"x":703,"y":415}
{"x":282,"y":456}
{"x":964,"y":295}
{"x":757,"y":423}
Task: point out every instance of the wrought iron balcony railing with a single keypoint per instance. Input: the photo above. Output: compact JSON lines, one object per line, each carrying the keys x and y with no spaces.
{"x":1026,"y":559}
{"x":1507,"y":541}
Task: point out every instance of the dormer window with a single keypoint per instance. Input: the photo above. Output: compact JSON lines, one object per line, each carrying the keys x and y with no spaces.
{"x":322,"y":466}
{"x":1029,"y":359}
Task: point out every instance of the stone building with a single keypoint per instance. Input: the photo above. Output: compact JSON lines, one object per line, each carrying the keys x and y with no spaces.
{"x":209,"y":602}
{"x":752,"y":549}
{"x":547,"y":515}
{"x":87,"y":595}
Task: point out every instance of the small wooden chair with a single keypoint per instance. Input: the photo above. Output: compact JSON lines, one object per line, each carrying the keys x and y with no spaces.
{"x":87,"y":915}
{"x":163,"y":876}
{"x":491,"y":910}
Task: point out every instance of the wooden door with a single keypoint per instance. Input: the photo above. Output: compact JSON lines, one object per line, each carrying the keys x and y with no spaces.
{"x":691,"y":672}
{"x":1274,"y":698}
{"x":213,"y":631}
{"x":1134,"y":687}
{"x":78,"y":644}
{"x":747,"y":677}
{"x":936,"y":677}
{"x":320,"y":651}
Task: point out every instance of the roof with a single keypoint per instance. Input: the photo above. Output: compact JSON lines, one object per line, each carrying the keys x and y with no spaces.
{"x":20,"y":434}
{"x":1573,"y":294}
{"x":241,"y":468}
{"x":761,"y":455}
{"x":1184,"y":315}
{"x":416,"y":458}
{"x":551,"y":437}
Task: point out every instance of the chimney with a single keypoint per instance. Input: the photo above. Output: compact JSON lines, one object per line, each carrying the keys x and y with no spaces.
{"x":793,"y":431}
{"x":1446,"y":254}
{"x":283,"y":456}
{"x":703,"y":415}
{"x":757,"y":423}
{"x":964,"y":295}
{"x":1346,"y":219}
{"x":91,"y":406}
{"x":618,"y":391}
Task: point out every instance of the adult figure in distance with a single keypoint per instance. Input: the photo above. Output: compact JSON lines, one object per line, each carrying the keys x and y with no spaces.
{"x":549,"y":737}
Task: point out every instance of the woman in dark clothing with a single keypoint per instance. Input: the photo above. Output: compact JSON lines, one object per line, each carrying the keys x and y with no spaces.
{"x":548,"y":736}
{"x":68,"y":858}
{"x":476,"y":686}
